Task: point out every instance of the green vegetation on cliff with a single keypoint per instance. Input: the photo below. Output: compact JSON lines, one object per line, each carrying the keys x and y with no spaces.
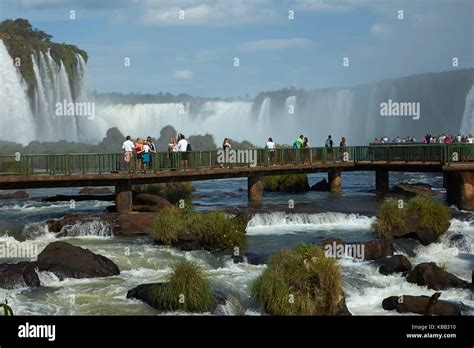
{"x":22,"y":40}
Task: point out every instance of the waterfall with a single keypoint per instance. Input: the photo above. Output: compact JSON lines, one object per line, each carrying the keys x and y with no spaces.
{"x":18,"y":124}
{"x":467,"y":125}
{"x":263,"y":121}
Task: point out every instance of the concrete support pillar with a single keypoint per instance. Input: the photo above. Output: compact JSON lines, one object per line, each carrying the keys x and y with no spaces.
{"x":460,"y":189}
{"x":381,"y":180}
{"x":123,"y":197}
{"x":255,"y":188}
{"x":335,"y":181}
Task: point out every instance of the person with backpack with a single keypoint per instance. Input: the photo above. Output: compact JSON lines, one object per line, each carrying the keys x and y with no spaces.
{"x":329,"y":144}
{"x":152,"y":149}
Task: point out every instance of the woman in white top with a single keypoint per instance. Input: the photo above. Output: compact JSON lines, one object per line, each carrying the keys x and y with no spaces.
{"x":271,"y":150}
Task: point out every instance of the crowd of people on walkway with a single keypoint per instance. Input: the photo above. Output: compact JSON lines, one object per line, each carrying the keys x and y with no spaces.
{"x":428,"y":139}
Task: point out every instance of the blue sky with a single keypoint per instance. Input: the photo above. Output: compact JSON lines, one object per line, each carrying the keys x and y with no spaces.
{"x":195,"y":55}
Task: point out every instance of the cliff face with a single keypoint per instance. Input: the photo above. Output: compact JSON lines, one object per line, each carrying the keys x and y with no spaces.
{"x":23,"y":41}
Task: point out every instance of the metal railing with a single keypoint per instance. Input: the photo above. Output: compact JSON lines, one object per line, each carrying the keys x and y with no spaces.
{"x":97,"y":163}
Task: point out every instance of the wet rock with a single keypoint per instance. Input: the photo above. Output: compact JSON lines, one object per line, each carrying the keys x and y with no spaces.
{"x":436,"y":278}
{"x":151,"y":200}
{"x":68,"y":261}
{"x":419,"y":304}
{"x":250,"y":258}
{"x":342,"y":309}
{"x":372,"y":250}
{"x":395,"y":264}
{"x":406,"y":245}
{"x":322,"y":185}
{"x":458,"y":240}
{"x":18,"y":275}
{"x":378,"y":248}
{"x":95,"y":191}
{"x":411,"y":190}
{"x":15,"y":195}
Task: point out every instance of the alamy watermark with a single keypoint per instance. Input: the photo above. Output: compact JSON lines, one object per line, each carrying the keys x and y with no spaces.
{"x":237,"y":157}
{"x":82,"y":109}
{"x":405,"y":109}
{"x":337,"y":250}
{"x":18,"y":251}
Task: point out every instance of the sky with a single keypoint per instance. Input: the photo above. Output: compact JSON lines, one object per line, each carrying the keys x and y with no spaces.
{"x":193,"y":47}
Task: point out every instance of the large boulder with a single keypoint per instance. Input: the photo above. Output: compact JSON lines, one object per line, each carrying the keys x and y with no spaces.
{"x":15,"y":195}
{"x":377,"y":249}
{"x":411,"y":190}
{"x":419,"y":305}
{"x":406,"y":246}
{"x":372,"y":250}
{"x":436,"y":278}
{"x":68,"y":261}
{"x":18,"y":275}
{"x":151,"y":200}
{"x":322,"y":185}
{"x":394,"y":264}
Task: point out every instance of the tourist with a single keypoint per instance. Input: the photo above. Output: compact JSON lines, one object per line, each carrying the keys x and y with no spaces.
{"x":329,"y":142}
{"x":305,"y":143}
{"x":127,"y":148}
{"x":152,"y":149}
{"x":183,"y":150}
{"x":226,"y":146}
{"x":376,"y":141}
{"x":343,"y":142}
{"x":139,"y":153}
{"x":270,"y":146}
{"x":146,"y":157}
{"x":298,"y":144}
{"x":172,"y":149}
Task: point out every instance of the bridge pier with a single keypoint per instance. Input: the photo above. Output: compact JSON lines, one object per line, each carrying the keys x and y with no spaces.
{"x":381,"y":180}
{"x":255,"y":188}
{"x":460,"y":189}
{"x":335,"y":181}
{"x":123,"y":197}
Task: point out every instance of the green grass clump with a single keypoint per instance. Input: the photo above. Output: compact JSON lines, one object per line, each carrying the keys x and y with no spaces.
{"x":390,"y":217}
{"x":215,"y":230}
{"x":286,"y":183}
{"x":187,"y":289}
{"x":420,"y":213}
{"x":302,"y":281}
{"x":432,"y":214}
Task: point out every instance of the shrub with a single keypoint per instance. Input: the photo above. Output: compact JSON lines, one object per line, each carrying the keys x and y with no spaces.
{"x":432,"y":214}
{"x":286,"y":183}
{"x":215,"y":230}
{"x":390,"y":217}
{"x":302,"y":281}
{"x":187,"y":289}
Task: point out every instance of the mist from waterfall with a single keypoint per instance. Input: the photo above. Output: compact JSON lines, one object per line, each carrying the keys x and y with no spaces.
{"x":467,"y":125}
{"x":18,"y":124}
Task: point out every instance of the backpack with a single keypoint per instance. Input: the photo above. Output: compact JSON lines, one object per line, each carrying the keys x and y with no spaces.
{"x":295,"y":146}
{"x":189,"y":148}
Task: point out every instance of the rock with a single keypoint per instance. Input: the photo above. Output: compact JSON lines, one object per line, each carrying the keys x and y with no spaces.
{"x":406,"y":245}
{"x":322,"y":185}
{"x":286,"y":183}
{"x":56,"y":226}
{"x":413,"y":229}
{"x":15,"y":195}
{"x":95,"y":191}
{"x":142,"y":292}
{"x":378,"y":248}
{"x":146,"y":208}
{"x":151,"y":200}
{"x":458,"y":240}
{"x":250,"y":258}
{"x":18,"y":275}
{"x":69,"y":261}
{"x":394,"y":264}
{"x":411,"y":190}
{"x":342,"y":309}
{"x":436,"y":278}
{"x":418,"y":305}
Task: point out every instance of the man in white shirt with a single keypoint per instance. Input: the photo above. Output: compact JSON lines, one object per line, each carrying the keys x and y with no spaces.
{"x":128,"y":148}
{"x":183,"y":147}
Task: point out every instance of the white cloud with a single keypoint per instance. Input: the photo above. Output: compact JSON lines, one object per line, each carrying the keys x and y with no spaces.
{"x":183,"y":74}
{"x":324,"y":5}
{"x":276,"y":44}
{"x":207,"y":12}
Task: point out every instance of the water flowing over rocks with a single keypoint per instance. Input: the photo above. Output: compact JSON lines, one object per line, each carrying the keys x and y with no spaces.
{"x":395,"y":264}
